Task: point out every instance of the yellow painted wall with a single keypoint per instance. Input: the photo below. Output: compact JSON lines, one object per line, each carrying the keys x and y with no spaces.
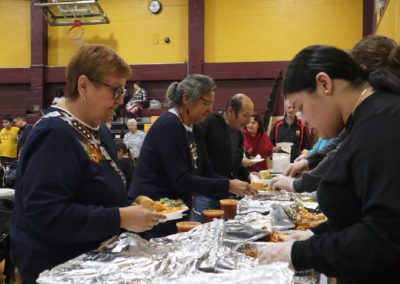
{"x":134,"y":33}
{"x":235,"y":30}
{"x":15,"y":33}
{"x":389,"y":25}
{"x":274,"y":30}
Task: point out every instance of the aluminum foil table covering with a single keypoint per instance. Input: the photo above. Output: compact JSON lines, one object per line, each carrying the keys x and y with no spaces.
{"x":198,"y":255}
{"x":250,"y":204}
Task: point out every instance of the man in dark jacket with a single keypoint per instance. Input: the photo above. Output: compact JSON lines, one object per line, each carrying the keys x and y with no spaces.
{"x":290,"y":129}
{"x":24,"y":129}
{"x":224,"y":146}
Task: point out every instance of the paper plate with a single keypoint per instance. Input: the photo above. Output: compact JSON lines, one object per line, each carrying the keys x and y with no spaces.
{"x":7,"y":192}
{"x":266,"y":181}
{"x":175,"y":215}
{"x":269,"y":193}
{"x":257,"y":160}
{"x":285,"y":146}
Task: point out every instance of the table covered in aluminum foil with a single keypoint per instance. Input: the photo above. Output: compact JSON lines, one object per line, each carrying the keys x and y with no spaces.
{"x":195,"y":257}
{"x":206,"y":253}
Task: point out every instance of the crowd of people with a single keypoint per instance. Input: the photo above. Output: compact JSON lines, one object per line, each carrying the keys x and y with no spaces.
{"x":75,"y":185}
{"x":12,"y":138}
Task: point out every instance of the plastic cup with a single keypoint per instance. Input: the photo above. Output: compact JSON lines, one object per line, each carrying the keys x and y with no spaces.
{"x":186,"y":226}
{"x":212,"y":214}
{"x":230,"y":207}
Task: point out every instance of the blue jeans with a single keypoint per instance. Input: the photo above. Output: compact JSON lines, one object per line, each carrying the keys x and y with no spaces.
{"x":201,"y":203}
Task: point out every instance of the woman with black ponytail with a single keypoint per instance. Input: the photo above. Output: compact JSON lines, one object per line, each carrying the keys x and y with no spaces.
{"x":359,"y":194}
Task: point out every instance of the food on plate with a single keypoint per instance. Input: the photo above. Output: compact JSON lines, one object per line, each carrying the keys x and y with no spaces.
{"x":250,"y":252}
{"x":276,"y":237}
{"x":308,"y":220}
{"x":264,"y":174}
{"x":172,"y":202}
{"x":266,"y":188}
{"x":164,"y":206}
{"x":257,"y":185}
{"x":145,"y":201}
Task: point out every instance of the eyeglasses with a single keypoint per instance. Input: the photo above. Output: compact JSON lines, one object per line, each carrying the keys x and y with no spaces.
{"x":117,"y":91}
{"x":207,"y":103}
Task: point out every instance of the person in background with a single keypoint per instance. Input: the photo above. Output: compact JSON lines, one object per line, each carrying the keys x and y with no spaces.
{"x":321,"y":144}
{"x":126,"y":162}
{"x":138,"y":101}
{"x":256,"y":142}
{"x":8,"y":141}
{"x":59,"y":97}
{"x":109,"y":125}
{"x":290,"y":129}
{"x":359,"y":193}
{"x":10,"y":175}
{"x":70,"y":194}
{"x":224,"y":146}
{"x":173,"y":162}
{"x":24,"y":129}
{"x":134,"y":138}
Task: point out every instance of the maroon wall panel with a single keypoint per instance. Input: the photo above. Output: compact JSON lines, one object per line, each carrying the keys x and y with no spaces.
{"x":257,"y":90}
{"x":369,"y":19}
{"x":196,"y":36}
{"x":15,"y":76}
{"x":15,"y":96}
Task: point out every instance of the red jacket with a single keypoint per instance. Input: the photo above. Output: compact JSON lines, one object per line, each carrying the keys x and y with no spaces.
{"x":260,"y":144}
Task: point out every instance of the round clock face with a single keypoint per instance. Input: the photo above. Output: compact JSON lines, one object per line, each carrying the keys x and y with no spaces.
{"x":155,"y":7}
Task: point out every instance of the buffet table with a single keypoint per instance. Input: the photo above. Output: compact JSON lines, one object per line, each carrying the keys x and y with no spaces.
{"x":211,"y":252}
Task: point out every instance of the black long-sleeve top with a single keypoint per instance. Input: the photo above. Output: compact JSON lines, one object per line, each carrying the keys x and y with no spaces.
{"x":315,"y":158}
{"x":225,"y":160}
{"x":309,"y":181}
{"x":22,"y":135}
{"x":360,"y":195}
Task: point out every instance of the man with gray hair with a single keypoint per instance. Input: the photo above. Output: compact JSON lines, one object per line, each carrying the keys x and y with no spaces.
{"x":134,"y":138}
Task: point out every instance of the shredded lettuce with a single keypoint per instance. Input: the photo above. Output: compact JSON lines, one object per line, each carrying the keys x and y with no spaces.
{"x":172,"y":202}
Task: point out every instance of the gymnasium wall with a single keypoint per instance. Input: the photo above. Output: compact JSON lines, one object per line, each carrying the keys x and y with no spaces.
{"x":246,"y":43}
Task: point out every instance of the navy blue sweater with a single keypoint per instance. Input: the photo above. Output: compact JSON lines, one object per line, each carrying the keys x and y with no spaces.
{"x":165,"y":167}
{"x":65,"y":203}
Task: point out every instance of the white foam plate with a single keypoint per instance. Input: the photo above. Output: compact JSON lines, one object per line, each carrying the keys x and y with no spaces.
{"x":285,"y":146}
{"x":7,"y":192}
{"x":176,"y":215}
{"x":310,"y":205}
{"x":274,"y":172}
{"x":265,"y":181}
{"x":270,"y":193}
{"x":257,"y":160}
